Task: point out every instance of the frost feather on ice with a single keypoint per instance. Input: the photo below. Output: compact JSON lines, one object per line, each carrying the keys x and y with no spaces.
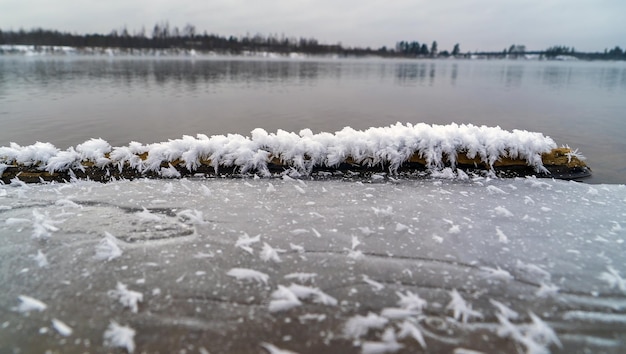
{"x":128,"y":298}
{"x":107,"y":249}
{"x":504,"y":310}
{"x":614,"y":279}
{"x":358,"y":326}
{"x":408,"y":329}
{"x":272,"y":349}
{"x":411,"y":301}
{"x":394,"y":313}
{"x":61,"y":327}
{"x":28,"y":304}
{"x":461,"y":310}
{"x":245,"y":241}
{"x":248,"y":274}
{"x":283,"y":299}
{"x":301,"y":277}
{"x":268,"y":253}
{"x":146,"y":215}
{"x":43,"y":226}
{"x":117,"y":336}
{"x":303,"y":292}
{"x":498,"y":273}
{"x":537,"y":337}
{"x":41,"y":259}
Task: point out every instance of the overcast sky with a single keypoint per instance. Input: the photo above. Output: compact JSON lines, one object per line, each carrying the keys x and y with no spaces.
{"x":587,"y":25}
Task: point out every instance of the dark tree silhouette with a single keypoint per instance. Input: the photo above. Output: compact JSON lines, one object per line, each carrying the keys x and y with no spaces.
{"x":456,"y":50}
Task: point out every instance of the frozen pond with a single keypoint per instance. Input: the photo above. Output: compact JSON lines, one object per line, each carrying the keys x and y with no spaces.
{"x":311,"y":266}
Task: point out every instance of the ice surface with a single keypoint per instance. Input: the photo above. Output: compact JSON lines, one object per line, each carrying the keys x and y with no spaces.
{"x":378,"y":265}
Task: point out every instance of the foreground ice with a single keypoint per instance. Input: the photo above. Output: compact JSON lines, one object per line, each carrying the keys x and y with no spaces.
{"x":285,"y":265}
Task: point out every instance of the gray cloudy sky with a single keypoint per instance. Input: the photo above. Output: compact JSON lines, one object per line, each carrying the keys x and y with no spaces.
{"x":587,"y":25}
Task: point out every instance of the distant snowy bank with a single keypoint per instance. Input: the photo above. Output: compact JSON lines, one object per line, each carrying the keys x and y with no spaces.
{"x":435,"y":146}
{"x":32,"y":50}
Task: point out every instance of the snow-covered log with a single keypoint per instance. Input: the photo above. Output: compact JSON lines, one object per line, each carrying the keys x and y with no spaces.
{"x":396,"y":149}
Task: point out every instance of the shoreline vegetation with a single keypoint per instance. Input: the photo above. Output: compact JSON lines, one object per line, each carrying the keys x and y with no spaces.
{"x":167,"y":40}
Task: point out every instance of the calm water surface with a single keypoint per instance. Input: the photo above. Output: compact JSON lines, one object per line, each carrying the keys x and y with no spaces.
{"x":67,"y":100}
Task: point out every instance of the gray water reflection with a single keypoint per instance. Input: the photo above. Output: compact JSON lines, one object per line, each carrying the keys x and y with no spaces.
{"x":69,"y":100}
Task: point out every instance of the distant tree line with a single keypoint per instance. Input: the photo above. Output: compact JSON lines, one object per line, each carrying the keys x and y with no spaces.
{"x":164,"y":36}
{"x":557,"y":52}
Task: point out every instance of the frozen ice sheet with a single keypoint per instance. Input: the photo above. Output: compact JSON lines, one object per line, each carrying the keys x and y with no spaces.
{"x":472,"y":254}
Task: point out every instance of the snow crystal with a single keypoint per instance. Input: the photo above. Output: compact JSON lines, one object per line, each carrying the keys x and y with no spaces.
{"x":546,"y":290}
{"x":595,"y":317}
{"x":366,"y":231}
{"x":401,"y":227}
{"x":268,"y":253}
{"x":504,"y":310}
{"x":408,"y":329}
{"x":454,"y":229}
{"x":17,"y":221}
{"x":245,"y":241}
{"x":533,"y":269}
{"x":194,"y":217}
{"x":394,"y":313}
{"x":501,"y":236}
{"x":388,"y":211}
{"x":614,"y":279}
{"x":127,"y":298}
{"x":461,"y":310}
{"x":28,"y":304}
{"x":466,"y":351}
{"x":376,"y":286}
{"x":497,"y":273}
{"x":311,"y":317}
{"x":541,"y":333}
{"x":41,"y":259}
{"x":495,"y":190}
{"x":272,"y":349}
{"x":502,"y":211}
{"x":169,"y":172}
{"x":248,"y":274}
{"x":303,"y":292}
{"x":283,"y":299}
{"x":108,"y":249}
{"x":302,"y":277}
{"x":296,"y":248}
{"x":358,"y":326}
{"x":528,"y":200}
{"x":355,"y":242}
{"x":370,"y":347}
{"x":411,"y":301}
{"x":120,"y":337}
{"x":67,"y":203}
{"x":43,"y":225}
{"x":61,"y":327}
{"x":146,"y":215}
{"x":536,"y":337}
